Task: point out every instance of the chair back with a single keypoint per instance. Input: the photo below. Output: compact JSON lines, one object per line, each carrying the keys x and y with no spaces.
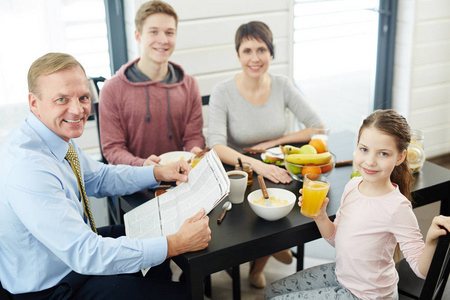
{"x":95,"y":90}
{"x":205,"y":108}
{"x":95,"y":106}
{"x":437,"y":276}
{"x":4,"y":295}
{"x":115,"y":214}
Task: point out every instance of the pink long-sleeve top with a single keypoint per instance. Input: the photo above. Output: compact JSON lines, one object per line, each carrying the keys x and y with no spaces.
{"x":367,"y":230}
{"x":138,"y":119}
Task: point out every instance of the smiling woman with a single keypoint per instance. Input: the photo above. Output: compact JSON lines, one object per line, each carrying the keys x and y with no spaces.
{"x":257,"y":100}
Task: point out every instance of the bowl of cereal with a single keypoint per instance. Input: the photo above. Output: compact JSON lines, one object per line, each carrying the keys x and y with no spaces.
{"x":281,"y":203}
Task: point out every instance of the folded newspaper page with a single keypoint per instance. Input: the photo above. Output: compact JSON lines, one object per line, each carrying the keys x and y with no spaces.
{"x":207,"y":186}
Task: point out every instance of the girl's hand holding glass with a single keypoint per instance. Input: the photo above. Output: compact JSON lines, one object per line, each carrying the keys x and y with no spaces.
{"x":315,"y":189}
{"x":323,"y":208}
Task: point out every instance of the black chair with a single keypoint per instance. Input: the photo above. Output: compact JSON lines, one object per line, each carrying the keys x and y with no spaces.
{"x":4,"y":295}
{"x":205,"y":112}
{"x":95,"y":105}
{"x":95,"y":91}
{"x":115,"y":215}
{"x":432,"y":288}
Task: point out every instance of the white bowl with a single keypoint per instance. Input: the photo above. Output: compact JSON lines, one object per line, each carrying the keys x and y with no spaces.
{"x":272,"y":213}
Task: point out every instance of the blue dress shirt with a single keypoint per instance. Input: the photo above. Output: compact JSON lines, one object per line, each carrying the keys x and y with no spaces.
{"x":43,"y":236}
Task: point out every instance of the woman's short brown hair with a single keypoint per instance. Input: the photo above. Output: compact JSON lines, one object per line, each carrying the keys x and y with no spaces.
{"x":153,"y":7}
{"x":255,"y":30}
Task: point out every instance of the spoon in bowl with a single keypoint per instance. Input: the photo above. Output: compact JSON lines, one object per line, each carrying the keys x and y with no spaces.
{"x":226,"y":207}
{"x":262,"y":184}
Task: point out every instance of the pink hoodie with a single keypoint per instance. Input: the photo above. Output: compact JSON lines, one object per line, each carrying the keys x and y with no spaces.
{"x":138,"y":119}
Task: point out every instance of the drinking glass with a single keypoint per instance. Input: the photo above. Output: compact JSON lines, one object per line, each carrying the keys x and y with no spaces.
{"x":247,"y":169}
{"x":320,"y":133}
{"x":315,"y":189}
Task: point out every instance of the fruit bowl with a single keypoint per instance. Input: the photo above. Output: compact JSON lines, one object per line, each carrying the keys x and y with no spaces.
{"x":297,"y":170}
{"x":284,"y":198}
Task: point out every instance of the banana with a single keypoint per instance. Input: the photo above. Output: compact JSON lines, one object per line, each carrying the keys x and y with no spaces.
{"x":288,"y":149}
{"x":304,"y":159}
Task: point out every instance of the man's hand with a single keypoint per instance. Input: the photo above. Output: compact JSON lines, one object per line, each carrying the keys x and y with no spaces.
{"x":173,"y":172}
{"x":152,"y":160}
{"x":193,"y":235}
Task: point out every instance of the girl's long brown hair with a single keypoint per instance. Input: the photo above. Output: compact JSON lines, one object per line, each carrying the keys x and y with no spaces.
{"x":395,"y":125}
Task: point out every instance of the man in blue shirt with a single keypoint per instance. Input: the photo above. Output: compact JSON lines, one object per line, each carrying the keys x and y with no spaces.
{"x":46,"y":248}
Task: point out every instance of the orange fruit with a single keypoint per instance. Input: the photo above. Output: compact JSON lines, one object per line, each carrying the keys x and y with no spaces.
{"x":319,"y":144}
{"x":311,"y":169}
{"x":326,"y":168}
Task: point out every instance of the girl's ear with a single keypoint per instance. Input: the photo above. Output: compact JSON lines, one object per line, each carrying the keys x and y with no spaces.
{"x":401,"y":158}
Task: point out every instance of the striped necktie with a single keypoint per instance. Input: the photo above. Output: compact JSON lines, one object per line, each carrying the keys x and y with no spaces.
{"x":72,"y":158}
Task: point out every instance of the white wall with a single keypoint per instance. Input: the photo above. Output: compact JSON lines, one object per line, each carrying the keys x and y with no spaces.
{"x":421,"y":92}
{"x":422,"y":70}
{"x":206,"y":29}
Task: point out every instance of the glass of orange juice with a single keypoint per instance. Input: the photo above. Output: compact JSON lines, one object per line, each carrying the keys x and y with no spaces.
{"x":315,"y":189}
{"x":195,"y":161}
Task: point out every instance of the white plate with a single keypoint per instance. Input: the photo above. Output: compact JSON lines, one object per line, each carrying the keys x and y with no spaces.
{"x":274,"y":152}
{"x":174,"y":156}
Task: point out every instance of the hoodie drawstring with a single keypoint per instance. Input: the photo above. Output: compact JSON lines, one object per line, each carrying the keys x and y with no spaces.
{"x":147,"y":119}
{"x":168,"y":114}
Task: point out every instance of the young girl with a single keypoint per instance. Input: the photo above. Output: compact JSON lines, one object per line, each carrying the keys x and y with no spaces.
{"x":375,"y":214}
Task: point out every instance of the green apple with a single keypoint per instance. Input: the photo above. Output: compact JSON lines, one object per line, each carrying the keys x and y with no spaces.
{"x":293,"y":169}
{"x":355,"y":174}
{"x":307,"y":149}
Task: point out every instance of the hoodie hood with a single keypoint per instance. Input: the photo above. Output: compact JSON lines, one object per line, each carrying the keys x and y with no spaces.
{"x":123,"y":73}
{"x":174,"y":74}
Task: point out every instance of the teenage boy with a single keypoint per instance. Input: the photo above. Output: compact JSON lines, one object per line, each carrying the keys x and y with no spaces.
{"x":150,"y":106}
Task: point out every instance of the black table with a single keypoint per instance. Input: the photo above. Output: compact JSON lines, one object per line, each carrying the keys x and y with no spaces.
{"x":243,"y":236}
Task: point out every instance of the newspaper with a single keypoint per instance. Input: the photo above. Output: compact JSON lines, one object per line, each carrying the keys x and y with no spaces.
{"x":207,"y":186}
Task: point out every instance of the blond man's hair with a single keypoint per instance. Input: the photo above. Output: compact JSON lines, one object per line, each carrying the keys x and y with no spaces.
{"x":48,"y":64}
{"x":153,"y":7}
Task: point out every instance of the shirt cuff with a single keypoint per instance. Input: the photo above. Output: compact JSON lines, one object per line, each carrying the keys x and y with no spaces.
{"x":145,"y":177}
{"x":155,"y":251}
